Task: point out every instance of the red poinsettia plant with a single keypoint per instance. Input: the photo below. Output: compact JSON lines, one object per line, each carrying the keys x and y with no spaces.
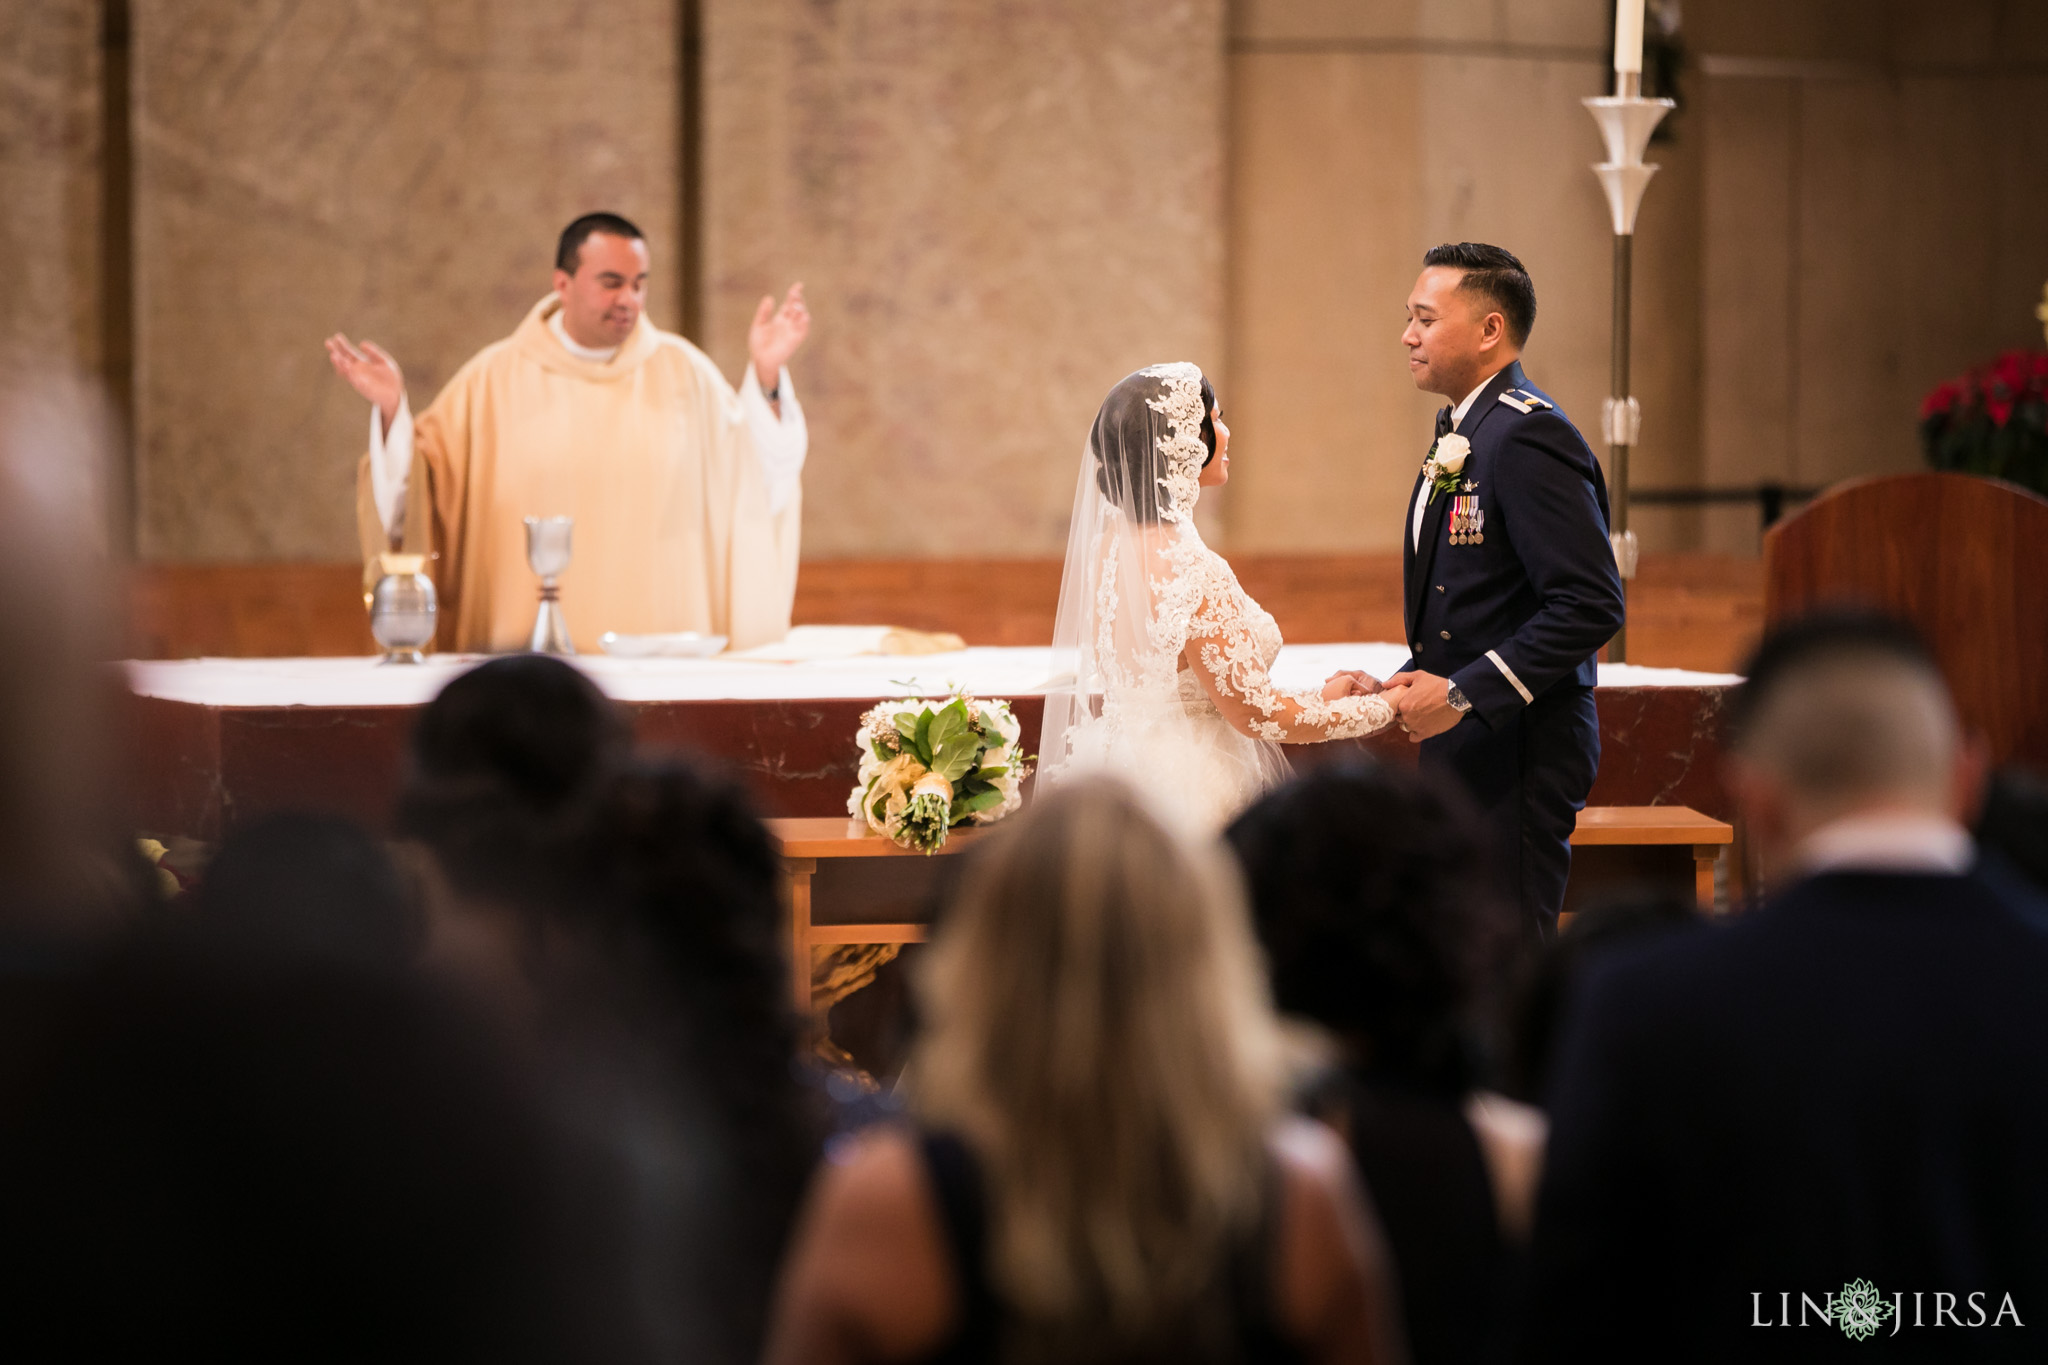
{"x":1992,"y":421}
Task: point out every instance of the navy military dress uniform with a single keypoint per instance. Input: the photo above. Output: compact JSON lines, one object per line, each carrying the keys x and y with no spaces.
{"x":1510,"y":591}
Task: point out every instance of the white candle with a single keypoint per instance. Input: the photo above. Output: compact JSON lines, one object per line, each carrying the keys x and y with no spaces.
{"x":1628,"y":35}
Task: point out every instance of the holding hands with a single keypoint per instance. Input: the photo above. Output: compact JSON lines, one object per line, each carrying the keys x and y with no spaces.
{"x":1356,"y":683}
{"x":1426,"y":710}
{"x":1421,"y":700}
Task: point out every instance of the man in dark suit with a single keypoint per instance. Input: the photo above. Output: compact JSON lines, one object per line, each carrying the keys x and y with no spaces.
{"x":1830,"y":1120}
{"x":1510,"y":581}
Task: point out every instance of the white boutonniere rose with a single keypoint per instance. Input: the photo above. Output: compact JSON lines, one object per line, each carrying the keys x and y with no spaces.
{"x":1445,"y":463}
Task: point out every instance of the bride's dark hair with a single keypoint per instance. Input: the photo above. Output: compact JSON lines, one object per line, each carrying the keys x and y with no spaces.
{"x":1122,"y":441}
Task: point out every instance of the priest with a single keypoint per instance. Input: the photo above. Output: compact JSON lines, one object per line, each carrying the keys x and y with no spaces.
{"x":686,"y":493}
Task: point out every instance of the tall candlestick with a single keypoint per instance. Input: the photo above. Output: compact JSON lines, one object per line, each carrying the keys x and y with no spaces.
{"x":1626,"y":121}
{"x":1628,"y":36}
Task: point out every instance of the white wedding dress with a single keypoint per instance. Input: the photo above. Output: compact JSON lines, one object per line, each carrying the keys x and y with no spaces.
{"x":1162,"y":663}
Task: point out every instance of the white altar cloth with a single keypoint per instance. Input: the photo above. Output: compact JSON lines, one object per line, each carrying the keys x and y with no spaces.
{"x":988,"y":672}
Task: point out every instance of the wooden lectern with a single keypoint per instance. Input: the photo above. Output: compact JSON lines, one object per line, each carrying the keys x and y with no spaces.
{"x":1965,"y":559}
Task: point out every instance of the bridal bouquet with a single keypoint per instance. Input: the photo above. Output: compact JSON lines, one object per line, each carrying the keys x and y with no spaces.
{"x":926,"y":766}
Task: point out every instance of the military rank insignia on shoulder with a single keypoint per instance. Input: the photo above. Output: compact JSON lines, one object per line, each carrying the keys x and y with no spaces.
{"x":1521,"y":400}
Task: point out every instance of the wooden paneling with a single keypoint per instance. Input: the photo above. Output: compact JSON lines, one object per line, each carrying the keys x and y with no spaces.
{"x":187,"y":611}
{"x":1687,"y":611}
{"x":1958,"y":556}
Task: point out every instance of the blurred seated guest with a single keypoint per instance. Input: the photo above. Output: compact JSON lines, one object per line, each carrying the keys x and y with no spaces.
{"x":1370,"y":897}
{"x":1101,"y":1170}
{"x":261,"y":1155}
{"x":1847,"y":1084}
{"x":316,"y":885}
{"x":1544,"y":983}
{"x":503,"y":765}
{"x":629,"y":913}
{"x":2014,"y":824}
{"x":68,"y":866}
{"x":503,"y":769}
{"x":680,"y":895}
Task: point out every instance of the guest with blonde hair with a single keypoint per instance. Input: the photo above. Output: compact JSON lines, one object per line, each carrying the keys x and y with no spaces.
{"x":1101,"y":1170}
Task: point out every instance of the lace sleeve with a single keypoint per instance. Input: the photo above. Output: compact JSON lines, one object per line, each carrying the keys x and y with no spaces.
{"x":1225,"y":657}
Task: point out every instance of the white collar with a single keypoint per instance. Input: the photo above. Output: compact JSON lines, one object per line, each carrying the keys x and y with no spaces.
{"x":601,"y":354}
{"x":1458,"y":413}
{"x":1887,"y":841}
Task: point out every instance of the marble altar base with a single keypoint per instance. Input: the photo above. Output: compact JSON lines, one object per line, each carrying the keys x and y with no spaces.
{"x":217,"y":742}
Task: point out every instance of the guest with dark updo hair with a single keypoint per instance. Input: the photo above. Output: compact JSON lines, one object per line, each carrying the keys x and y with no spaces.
{"x":678,"y":892}
{"x":1369,"y":894}
{"x":626,"y":912}
{"x":502,"y":764}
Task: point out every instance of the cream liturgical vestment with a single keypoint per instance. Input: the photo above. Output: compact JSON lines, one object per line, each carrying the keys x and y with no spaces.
{"x":676,"y":525}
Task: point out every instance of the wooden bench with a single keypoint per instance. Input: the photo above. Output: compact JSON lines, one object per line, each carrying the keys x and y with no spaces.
{"x":1639,"y":826}
{"x":844,"y":847}
{"x":873,"y":901}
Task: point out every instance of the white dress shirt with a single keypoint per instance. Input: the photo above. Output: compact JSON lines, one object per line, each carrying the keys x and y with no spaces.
{"x":1422,"y":497}
{"x":780,"y":441}
{"x":1887,"y":841}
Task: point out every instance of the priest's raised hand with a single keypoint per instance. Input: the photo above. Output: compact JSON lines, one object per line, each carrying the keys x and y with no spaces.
{"x":371,"y":372}
{"x":776,"y":335}
{"x":686,"y":492}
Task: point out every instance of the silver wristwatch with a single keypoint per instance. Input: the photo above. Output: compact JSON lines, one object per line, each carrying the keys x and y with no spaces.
{"x":1458,"y":700}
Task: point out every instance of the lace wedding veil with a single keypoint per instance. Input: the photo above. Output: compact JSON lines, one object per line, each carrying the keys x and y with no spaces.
{"x":1136,"y":571}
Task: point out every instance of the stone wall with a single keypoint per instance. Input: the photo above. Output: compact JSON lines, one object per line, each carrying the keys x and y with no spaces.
{"x":1362,"y":135}
{"x":1876,"y":213}
{"x":380,"y":167}
{"x":1851,"y":209}
{"x":997,"y":212}
{"x":49,"y":184}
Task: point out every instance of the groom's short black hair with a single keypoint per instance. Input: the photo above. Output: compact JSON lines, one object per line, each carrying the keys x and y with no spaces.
{"x":569,"y":249}
{"x":1495,"y":275}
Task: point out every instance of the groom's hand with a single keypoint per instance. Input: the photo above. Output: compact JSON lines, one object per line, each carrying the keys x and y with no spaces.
{"x":1426,"y":711}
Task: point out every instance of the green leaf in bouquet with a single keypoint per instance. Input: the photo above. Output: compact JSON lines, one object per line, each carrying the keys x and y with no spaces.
{"x":955,"y":747}
{"x":964,"y":806}
{"x":995,"y":770}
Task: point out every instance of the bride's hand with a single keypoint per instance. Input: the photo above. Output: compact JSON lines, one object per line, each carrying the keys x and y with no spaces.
{"x":1392,"y":696}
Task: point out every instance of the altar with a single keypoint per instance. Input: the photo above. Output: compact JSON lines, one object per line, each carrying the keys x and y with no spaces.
{"x":217,"y":742}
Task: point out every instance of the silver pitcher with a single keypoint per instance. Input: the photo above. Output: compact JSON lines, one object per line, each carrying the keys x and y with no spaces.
{"x":403,"y":606}
{"x":547,"y":553}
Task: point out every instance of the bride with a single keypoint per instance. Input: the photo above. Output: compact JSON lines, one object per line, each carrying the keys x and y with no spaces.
{"x":1160,"y":659}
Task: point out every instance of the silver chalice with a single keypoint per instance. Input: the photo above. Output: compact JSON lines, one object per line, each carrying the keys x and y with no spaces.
{"x":547,"y":552}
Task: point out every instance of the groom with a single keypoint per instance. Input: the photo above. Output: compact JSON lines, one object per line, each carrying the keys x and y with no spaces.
{"x":1510,"y":584}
